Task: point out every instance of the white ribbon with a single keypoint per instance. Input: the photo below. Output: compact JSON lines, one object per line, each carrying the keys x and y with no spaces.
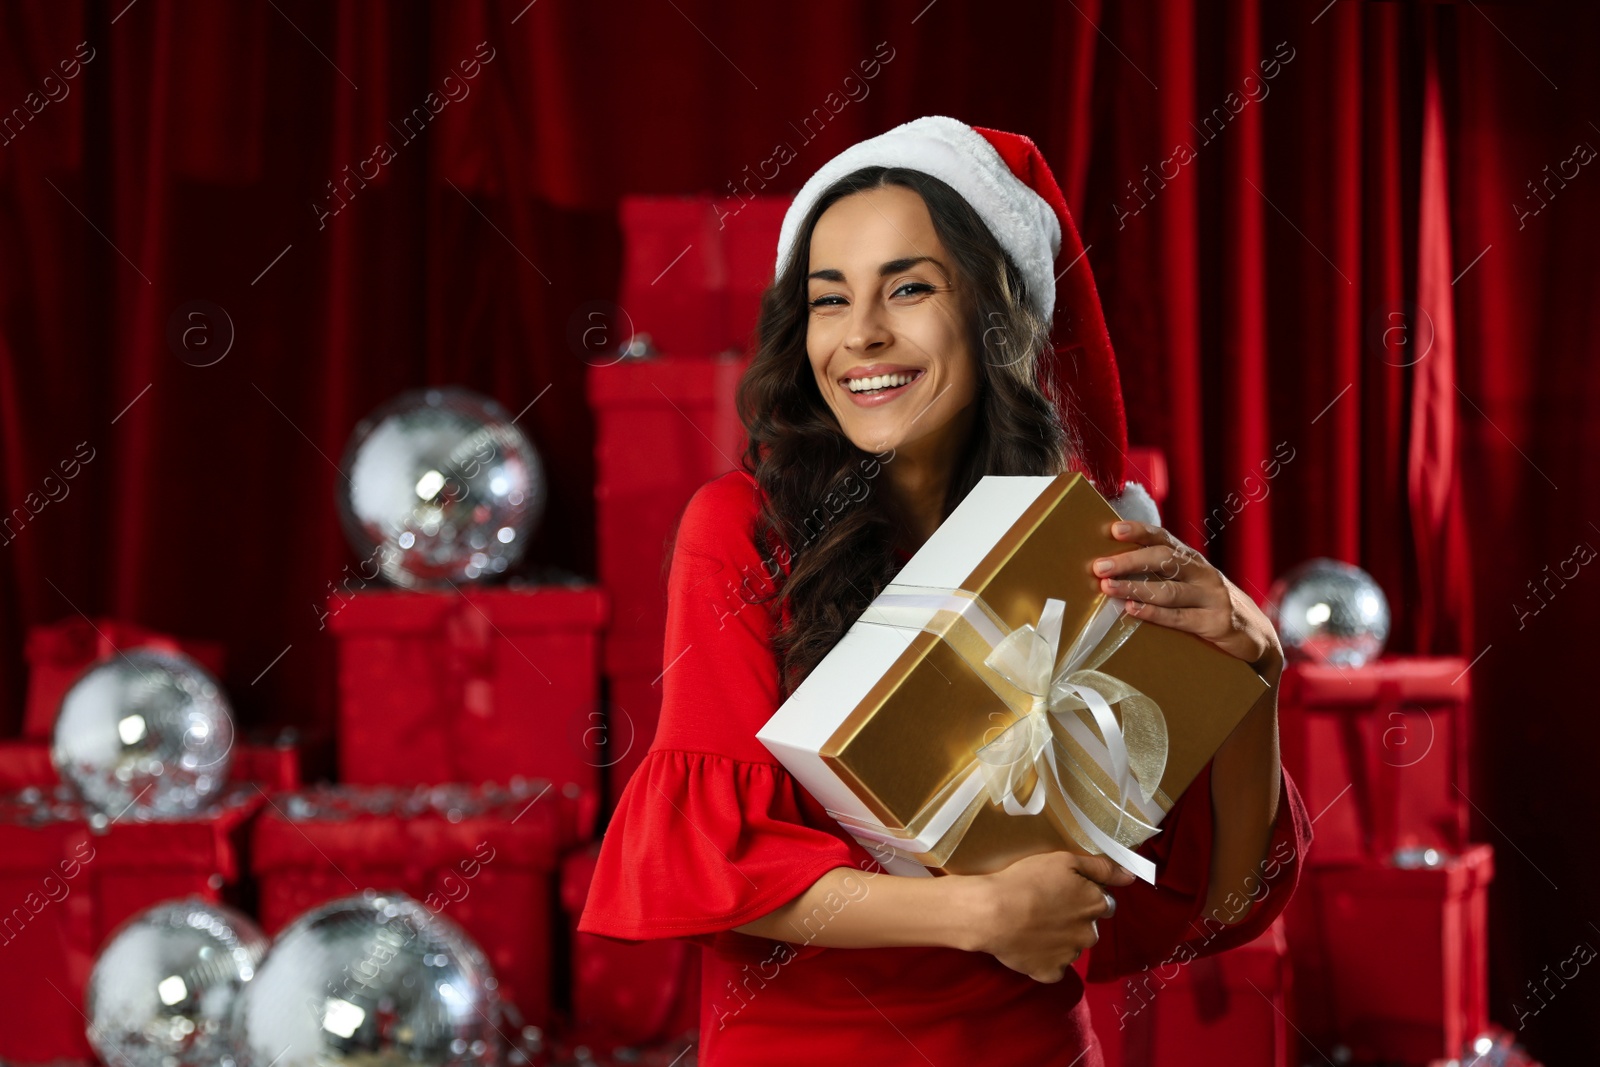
{"x":1026,"y":657}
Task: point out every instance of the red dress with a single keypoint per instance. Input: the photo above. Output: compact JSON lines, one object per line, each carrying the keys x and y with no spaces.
{"x":711,"y":832}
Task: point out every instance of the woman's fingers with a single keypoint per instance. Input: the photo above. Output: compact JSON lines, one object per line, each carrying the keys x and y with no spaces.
{"x":1158,"y":561}
{"x":1155,"y":591}
{"x":1102,"y":869}
{"x":1212,"y":622}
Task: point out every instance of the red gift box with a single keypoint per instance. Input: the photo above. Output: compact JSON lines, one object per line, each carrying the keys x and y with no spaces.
{"x":664,"y":427}
{"x":482,"y":685}
{"x":66,"y":884}
{"x":58,"y":652}
{"x":1148,"y":467}
{"x":626,"y":993}
{"x":694,"y":268}
{"x":486,"y":858}
{"x":1228,"y":1009}
{"x":1392,"y":962}
{"x":1379,"y":753}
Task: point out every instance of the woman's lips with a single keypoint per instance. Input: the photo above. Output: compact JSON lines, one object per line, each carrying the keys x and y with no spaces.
{"x":884,"y":396}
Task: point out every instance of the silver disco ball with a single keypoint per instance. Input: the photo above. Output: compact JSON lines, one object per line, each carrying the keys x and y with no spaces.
{"x":440,"y":486}
{"x":163,"y":989}
{"x":370,"y":979}
{"x":1329,"y":612}
{"x":144,"y":729}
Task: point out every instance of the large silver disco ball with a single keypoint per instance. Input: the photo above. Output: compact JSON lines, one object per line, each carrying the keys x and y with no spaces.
{"x":1329,"y":612}
{"x":371,"y":979}
{"x":163,"y":989}
{"x":145,"y":729}
{"x":440,"y":486}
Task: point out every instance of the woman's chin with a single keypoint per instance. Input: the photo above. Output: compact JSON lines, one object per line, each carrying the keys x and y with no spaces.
{"x":875,"y":443}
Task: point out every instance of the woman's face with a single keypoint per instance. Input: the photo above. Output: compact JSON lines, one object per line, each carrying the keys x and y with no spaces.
{"x":885,"y":300}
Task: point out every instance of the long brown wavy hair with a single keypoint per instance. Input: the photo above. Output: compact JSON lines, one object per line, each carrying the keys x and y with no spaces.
{"x":825,"y":515}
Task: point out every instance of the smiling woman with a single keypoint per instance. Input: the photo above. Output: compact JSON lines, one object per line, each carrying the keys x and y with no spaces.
{"x":909,"y":316}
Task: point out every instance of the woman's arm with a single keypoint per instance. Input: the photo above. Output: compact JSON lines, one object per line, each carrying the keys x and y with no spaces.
{"x":1035,"y":916}
{"x":1170,"y":584}
{"x":1245,"y":775}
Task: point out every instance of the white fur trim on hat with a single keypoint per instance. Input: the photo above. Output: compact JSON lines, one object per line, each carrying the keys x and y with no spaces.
{"x":950,"y":150}
{"x":1136,"y":504}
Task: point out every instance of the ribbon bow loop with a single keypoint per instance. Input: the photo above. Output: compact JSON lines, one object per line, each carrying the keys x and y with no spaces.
{"x":1026,"y":657}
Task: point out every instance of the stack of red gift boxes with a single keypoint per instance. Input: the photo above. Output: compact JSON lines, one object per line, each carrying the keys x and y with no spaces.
{"x":69,"y":876}
{"x":1381,"y":957}
{"x":1388,"y":930}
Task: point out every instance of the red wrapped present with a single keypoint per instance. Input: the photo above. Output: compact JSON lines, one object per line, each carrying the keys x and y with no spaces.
{"x":68,"y":880}
{"x":626,"y":993}
{"x":59,"y":652}
{"x":1380,"y":753}
{"x":1391,"y":963}
{"x":26,"y":762}
{"x":1148,"y":467}
{"x":487,"y":684}
{"x":694,"y":268}
{"x":1225,"y":1009}
{"x":487,"y":857}
{"x":664,"y":427}
{"x":750,"y":244}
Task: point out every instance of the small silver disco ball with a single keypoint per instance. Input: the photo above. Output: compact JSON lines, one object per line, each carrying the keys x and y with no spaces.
{"x":145,"y":729}
{"x":440,"y":487}
{"x":1329,"y":612}
{"x":163,"y":989}
{"x":371,"y":979}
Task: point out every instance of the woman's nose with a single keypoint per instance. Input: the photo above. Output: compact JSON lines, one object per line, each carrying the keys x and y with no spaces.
{"x":868,"y":329}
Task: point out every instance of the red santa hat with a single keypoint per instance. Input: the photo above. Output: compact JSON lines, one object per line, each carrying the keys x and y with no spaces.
{"x":1006,"y":180}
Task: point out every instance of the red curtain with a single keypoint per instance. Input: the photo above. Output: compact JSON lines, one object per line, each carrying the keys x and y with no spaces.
{"x":1344,"y":250}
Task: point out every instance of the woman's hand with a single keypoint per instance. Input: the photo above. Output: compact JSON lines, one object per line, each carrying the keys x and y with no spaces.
{"x":1038,"y":915}
{"x":1169,"y":583}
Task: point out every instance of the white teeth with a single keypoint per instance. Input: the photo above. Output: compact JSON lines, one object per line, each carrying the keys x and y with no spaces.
{"x":863,"y":385}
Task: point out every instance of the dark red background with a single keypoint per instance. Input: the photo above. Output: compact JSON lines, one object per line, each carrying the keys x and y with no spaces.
{"x":1243,"y":301}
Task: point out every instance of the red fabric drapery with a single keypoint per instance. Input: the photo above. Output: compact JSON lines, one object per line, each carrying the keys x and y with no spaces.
{"x":1274,"y":206}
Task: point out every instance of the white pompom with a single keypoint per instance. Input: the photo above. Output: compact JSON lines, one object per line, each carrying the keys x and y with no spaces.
{"x":1136,"y":504}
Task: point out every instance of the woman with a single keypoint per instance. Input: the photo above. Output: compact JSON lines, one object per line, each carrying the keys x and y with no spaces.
{"x":899,"y":360}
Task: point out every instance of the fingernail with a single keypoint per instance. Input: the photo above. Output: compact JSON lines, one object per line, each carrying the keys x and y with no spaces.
{"x":1102,"y":566}
{"x":1122,"y":528}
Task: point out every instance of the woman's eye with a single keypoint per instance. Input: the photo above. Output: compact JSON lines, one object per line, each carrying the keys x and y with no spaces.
{"x":909,"y":289}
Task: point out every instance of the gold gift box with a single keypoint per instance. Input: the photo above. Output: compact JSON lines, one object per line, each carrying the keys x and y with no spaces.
{"x":910,"y":740}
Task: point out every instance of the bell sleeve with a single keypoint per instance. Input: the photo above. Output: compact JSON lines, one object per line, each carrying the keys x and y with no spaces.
{"x":1165,"y":923}
{"x":711,"y":831}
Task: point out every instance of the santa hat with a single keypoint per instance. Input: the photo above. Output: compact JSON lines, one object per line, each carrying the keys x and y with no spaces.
{"x":1005,"y":179}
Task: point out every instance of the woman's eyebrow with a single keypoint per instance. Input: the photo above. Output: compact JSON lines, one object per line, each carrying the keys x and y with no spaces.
{"x":894,"y":266}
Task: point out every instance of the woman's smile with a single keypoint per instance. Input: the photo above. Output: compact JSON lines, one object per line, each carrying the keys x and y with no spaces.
{"x":875,"y":390}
